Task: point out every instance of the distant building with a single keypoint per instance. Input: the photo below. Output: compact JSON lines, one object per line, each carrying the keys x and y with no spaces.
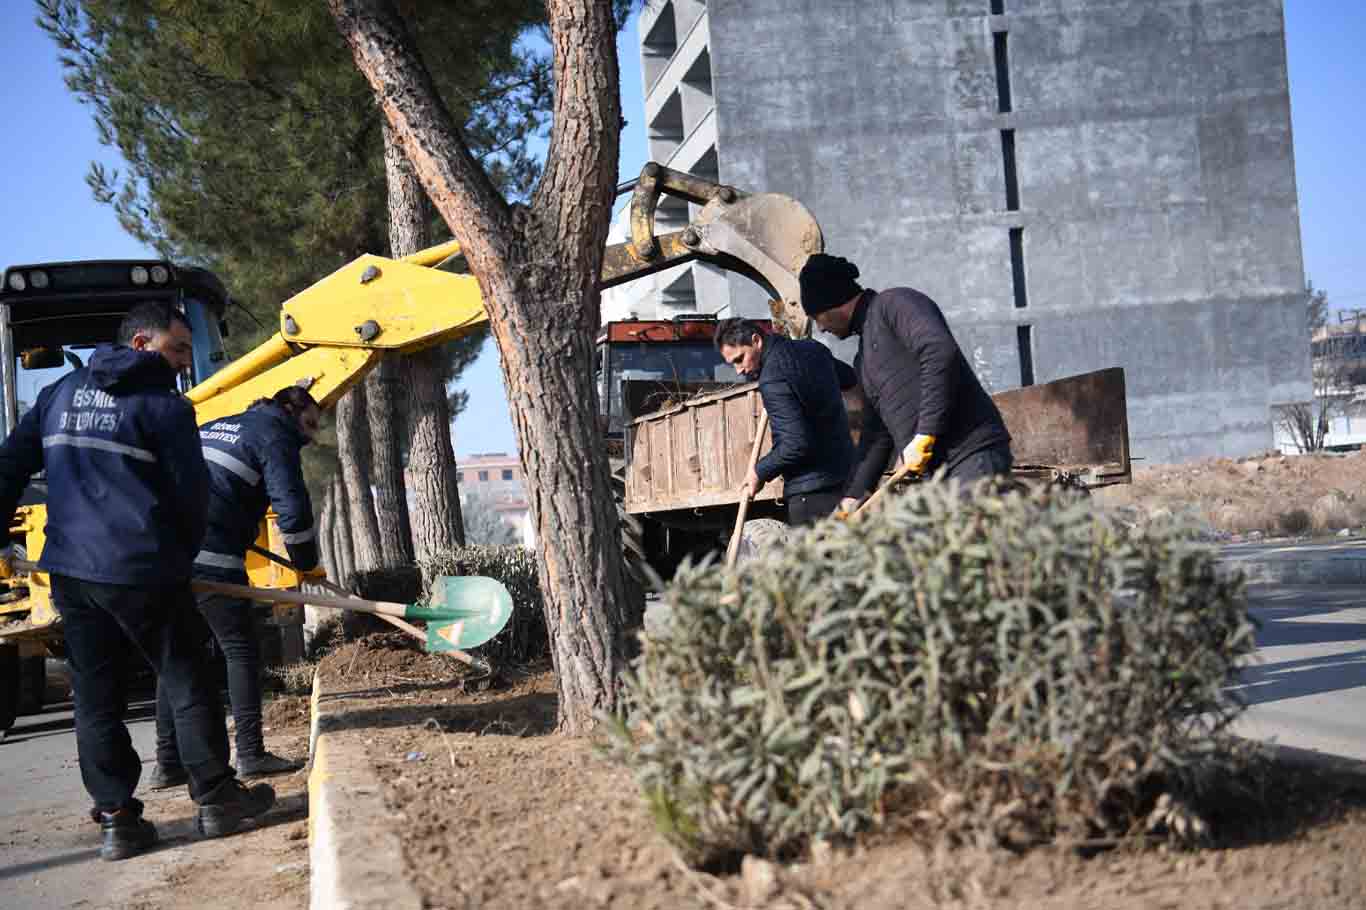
{"x":496,"y":478}
{"x":1078,"y":183}
{"x":1338,"y":408}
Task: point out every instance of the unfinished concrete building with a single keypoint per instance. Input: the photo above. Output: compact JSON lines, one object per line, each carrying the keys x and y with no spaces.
{"x":1079,"y":183}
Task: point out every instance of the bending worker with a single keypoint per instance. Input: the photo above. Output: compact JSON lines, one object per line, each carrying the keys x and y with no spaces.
{"x":923,"y":398}
{"x":127,"y":488}
{"x":800,"y":383}
{"x":253,"y":460}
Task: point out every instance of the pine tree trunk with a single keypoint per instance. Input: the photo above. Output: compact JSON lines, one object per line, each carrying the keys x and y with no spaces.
{"x":538,"y":268}
{"x":353,"y":449}
{"x":436,"y":523}
{"x":326,"y":548}
{"x":346,"y":560}
{"x":384,"y":413}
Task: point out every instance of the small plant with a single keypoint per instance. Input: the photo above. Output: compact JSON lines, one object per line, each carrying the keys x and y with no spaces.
{"x":1014,"y":667}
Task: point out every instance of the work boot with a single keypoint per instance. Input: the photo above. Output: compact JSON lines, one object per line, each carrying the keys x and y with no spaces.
{"x":164,"y":777}
{"x":223,"y":810}
{"x":265,"y":764}
{"x":126,"y":833}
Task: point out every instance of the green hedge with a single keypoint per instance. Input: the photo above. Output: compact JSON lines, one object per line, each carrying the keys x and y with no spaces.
{"x":1015,"y":668}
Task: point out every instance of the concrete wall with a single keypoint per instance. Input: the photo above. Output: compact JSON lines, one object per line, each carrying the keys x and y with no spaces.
{"x":1156,"y":211}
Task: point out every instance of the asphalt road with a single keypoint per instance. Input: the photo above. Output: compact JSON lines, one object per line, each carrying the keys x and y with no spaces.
{"x":50,"y":848}
{"x":1307,"y":686}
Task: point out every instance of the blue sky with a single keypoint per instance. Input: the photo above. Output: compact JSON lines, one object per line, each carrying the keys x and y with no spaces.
{"x":50,"y":141}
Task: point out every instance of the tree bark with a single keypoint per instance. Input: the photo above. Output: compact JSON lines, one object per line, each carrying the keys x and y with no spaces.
{"x":384,"y":408}
{"x":346,"y":560}
{"x":538,"y":269}
{"x":436,"y":525}
{"x":353,"y":449}
{"x":326,"y":550}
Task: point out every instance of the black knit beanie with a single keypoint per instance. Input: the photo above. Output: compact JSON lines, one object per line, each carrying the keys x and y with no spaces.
{"x":827,"y":282}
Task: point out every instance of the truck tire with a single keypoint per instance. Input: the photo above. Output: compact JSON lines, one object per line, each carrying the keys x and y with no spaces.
{"x":9,"y":686}
{"x":760,"y":536}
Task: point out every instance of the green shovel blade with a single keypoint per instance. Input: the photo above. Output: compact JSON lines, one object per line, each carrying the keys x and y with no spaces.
{"x":463,"y":612}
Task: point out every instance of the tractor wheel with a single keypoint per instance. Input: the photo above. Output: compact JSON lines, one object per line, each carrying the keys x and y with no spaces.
{"x":32,"y":684}
{"x":9,"y":686}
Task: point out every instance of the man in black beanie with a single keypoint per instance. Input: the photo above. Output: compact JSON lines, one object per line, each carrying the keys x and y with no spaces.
{"x":923,"y":398}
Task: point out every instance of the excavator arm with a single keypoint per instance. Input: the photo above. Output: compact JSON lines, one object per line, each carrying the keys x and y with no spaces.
{"x":334,"y":332}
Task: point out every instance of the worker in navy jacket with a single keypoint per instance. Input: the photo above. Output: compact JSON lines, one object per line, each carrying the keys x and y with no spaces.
{"x":800,"y":383}
{"x":126,"y":492}
{"x":253,"y":464}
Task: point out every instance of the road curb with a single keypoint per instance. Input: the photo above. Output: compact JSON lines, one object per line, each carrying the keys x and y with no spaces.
{"x":355,"y":861}
{"x":1296,"y":568}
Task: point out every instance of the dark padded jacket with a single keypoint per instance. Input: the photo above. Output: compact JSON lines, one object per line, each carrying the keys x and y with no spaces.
{"x":812,"y":448}
{"x":127,"y":485}
{"x":916,"y":380}
{"x":254,"y":464}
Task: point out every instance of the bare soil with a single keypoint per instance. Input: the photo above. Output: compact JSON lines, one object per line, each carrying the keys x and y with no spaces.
{"x":495,"y":810}
{"x":1254,"y":495}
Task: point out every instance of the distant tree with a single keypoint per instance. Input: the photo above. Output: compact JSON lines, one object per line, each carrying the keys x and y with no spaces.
{"x":1335,"y":370}
{"x":255,"y":147}
{"x":483,"y":523}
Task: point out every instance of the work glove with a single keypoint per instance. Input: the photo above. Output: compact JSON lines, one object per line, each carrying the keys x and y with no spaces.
{"x":315,"y":573}
{"x":918,"y":452}
{"x":7,"y":562}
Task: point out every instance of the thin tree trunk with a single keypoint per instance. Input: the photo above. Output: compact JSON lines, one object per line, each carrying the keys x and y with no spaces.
{"x":353,"y":447}
{"x":384,"y":413}
{"x":346,"y":560}
{"x":436,"y":523}
{"x":538,"y":270}
{"x":326,"y":549}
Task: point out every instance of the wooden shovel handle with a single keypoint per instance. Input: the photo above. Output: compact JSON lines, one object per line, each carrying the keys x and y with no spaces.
{"x":733,"y":551}
{"x":896,"y":478}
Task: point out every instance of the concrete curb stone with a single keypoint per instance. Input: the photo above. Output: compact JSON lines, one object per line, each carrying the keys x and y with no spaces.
{"x":355,"y":861}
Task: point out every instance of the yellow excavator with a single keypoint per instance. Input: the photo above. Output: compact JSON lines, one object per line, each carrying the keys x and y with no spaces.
{"x":334,"y":332}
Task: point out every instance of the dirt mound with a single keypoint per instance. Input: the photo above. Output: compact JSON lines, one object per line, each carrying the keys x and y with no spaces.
{"x":389,"y":658}
{"x":1257,"y":494}
{"x":285,"y":711}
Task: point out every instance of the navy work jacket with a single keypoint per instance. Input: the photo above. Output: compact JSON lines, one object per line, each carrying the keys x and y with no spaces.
{"x":127,"y":484}
{"x":254,"y":463}
{"x":812,"y":447}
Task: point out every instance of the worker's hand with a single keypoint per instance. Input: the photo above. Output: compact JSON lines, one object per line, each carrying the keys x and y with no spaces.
{"x":315,"y":573}
{"x":848,"y":506}
{"x":917,"y":454}
{"x":752,"y":484}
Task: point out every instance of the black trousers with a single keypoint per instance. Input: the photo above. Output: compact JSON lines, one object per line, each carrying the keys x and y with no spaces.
{"x":992,"y":462}
{"x":808,"y":508}
{"x":230,"y":620}
{"x":101,"y":623}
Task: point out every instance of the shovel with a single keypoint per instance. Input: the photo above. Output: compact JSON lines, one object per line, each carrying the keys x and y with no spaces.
{"x":462,"y":613}
{"x":901,"y":474}
{"x":733,"y":551}
{"x":394,"y":621}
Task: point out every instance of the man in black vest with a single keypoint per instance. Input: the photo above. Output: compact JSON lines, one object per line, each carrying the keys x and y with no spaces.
{"x":800,"y":384}
{"x":923,"y":398}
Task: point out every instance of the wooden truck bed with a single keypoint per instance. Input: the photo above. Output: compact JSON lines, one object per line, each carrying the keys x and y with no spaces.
{"x":694,"y":454}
